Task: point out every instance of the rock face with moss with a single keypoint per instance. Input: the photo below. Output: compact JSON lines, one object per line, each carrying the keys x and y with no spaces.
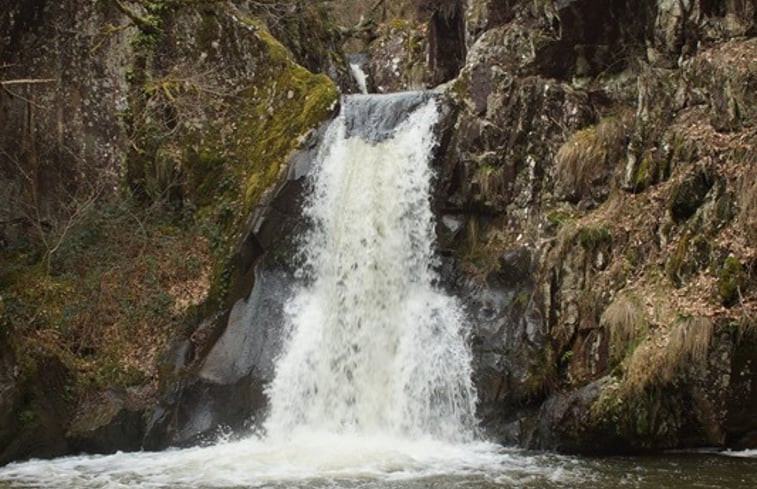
{"x":596,"y":201}
{"x":141,"y":165}
{"x":600,"y":178}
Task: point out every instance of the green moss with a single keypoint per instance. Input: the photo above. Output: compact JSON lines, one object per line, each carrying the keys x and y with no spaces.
{"x":558,"y":218}
{"x":732,"y":279}
{"x":279,"y":123}
{"x":229,"y":168}
{"x":692,"y":254}
{"x":643,"y":173}
{"x":594,"y":237}
{"x":676,"y":262}
{"x":522,"y":298}
{"x":398,"y":23}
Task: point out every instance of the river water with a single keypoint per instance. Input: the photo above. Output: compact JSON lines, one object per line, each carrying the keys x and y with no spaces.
{"x":373,"y":388}
{"x":323,"y":460}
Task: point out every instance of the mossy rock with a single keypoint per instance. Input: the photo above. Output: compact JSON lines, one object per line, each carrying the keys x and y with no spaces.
{"x":731,"y":282}
{"x":653,"y":168}
{"x":651,"y":420}
{"x":693,"y":254}
{"x":235,"y":121}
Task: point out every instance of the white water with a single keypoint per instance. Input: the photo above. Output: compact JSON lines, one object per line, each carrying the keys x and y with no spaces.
{"x":375,"y":380}
{"x":373,"y":390}
{"x":375,"y":347}
{"x":360,"y":76}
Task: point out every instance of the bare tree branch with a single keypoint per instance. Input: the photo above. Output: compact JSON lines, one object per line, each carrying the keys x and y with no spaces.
{"x":27,"y":81}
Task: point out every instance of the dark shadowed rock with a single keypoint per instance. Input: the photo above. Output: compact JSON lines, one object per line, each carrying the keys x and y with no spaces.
{"x":36,"y":428}
{"x":110,"y":424}
{"x":564,"y":420}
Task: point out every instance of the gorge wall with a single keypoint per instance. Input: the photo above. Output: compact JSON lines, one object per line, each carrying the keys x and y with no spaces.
{"x":600,"y":184}
{"x":596,"y":203}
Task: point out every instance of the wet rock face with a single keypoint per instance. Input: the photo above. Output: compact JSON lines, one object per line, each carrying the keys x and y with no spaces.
{"x":230,"y":358}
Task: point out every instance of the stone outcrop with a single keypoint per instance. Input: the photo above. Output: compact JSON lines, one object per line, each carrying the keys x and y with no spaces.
{"x":597,"y":176}
{"x":595,"y":200}
{"x":188,"y":111}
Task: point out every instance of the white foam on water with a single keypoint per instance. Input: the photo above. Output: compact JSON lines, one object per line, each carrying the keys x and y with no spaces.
{"x":374,"y":382}
{"x":739,"y":453}
{"x":307,"y":459}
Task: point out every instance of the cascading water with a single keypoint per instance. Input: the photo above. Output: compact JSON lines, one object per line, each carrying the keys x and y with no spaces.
{"x":373,"y":388}
{"x":358,"y":64}
{"x":360,"y":76}
{"x":375,"y":347}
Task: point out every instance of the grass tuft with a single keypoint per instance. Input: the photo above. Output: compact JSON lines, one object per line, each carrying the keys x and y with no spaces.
{"x":663,"y":357}
{"x":625,"y":323}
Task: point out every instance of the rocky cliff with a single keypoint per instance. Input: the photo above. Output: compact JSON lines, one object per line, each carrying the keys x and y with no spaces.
{"x":600,"y":185}
{"x":596,"y":202}
{"x":142,"y":142}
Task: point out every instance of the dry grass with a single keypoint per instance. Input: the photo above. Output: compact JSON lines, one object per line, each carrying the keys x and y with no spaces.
{"x":667,"y":354}
{"x":578,"y":161}
{"x":690,"y":339}
{"x":588,"y":154}
{"x":624,"y":322}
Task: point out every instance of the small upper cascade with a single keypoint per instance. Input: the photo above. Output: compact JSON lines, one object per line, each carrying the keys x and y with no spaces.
{"x":357,"y":62}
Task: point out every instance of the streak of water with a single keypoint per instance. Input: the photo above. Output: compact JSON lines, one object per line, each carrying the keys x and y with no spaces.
{"x":360,"y":76}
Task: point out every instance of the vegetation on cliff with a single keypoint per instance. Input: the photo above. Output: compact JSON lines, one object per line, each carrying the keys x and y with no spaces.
{"x":99,"y":275}
{"x":600,"y":181}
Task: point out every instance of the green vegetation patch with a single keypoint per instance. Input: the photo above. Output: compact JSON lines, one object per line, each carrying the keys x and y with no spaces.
{"x":106,"y":302}
{"x":731,"y":282}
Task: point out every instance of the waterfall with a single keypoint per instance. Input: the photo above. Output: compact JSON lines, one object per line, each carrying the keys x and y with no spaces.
{"x":360,"y":76}
{"x":374,"y":380}
{"x":375,"y":346}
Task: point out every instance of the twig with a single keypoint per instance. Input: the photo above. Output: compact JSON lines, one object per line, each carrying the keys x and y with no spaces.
{"x":27,"y":81}
{"x":73,"y":219}
{"x":21,"y":97}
